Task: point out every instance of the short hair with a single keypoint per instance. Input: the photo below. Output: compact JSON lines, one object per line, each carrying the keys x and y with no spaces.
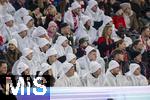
{"x":119,"y":42}
{"x":116,"y":52}
{"x":93,"y":51}
{"x":144,"y":28}
{"x":2,"y":62}
{"x":136,"y":42}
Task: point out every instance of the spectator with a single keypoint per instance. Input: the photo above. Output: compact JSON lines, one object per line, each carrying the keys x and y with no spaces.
{"x":3,"y":68}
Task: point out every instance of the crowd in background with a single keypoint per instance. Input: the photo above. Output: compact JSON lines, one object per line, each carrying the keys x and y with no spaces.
{"x":75,"y":43}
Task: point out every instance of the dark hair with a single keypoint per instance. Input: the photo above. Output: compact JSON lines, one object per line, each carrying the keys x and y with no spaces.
{"x":136,"y":42}
{"x":116,"y":52}
{"x":2,"y":62}
{"x":92,"y":51}
{"x":144,"y":28}
{"x":119,"y":42}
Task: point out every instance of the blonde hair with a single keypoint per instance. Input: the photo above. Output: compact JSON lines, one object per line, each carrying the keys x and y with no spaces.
{"x":106,"y":29}
{"x":2,"y":2}
{"x":51,"y":10}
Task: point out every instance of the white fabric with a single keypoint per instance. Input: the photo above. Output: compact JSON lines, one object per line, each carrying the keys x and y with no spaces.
{"x":90,"y":81}
{"x":39,"y":31}
{"x":14,"y":42}
{"x":68,"y":18}
{"x":51,"y":51}
{"x":89,"y":49}
{"x":75,"y":5}
{"x":8,"y":17}
{"x":22,"y":27}
{"x":42,"y":42}
{"x":26,"y":19}
{"x":98,"y":16}
{"x":44,"y":68}
{"x":67,"y":66}
{"x":112,"y":65}
{"x":70,"y":56}
{"x":92,"y":3}
{"x":26,"y":52}
{"x":65,"y":81}
{"x":61,"y":51}
{"x":19,"y":14}
{"x":134,"y":80}
{"x":94,"y":66}
{"x":82,"y":32}
{"x":21,"y":67}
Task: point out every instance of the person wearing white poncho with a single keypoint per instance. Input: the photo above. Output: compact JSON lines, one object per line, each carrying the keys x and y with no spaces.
{"x":22,"y":39}
{"x":71,"y":17}
{"x":52,"y":60}
{"x":135,"y":77}
{"x":40,"y":32}
{"x":84,"y":62}
{"x":113,"y":76}
{"x":70,"y":78}
{"x":28,"y":20}
{"x":85,"y":30}
{"x":23,"y":71}
{"x":94,"y":12}
{"x":95,"y":78}
{"x":19,"y":14}
{"x":62,"y":46}
{"x":71,"y":58}
{"x":9,"y":28}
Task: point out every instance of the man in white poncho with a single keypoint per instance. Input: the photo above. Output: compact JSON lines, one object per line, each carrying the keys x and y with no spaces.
{"x":9,"y":28}
{"x":113,"y":76}
{"x":22,"y":39}
{"x":62,"y":46}
{"x":56,"y":65}
{"x":95,"y":78}
{"x":71,"y":17}
{"x":71,"y":58}
{"x":86,"y":30}
{"x":135,"y":77}
{"x":70,"y":78}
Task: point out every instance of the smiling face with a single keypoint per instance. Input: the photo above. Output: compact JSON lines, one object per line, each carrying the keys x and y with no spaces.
{"x":12,"y":47}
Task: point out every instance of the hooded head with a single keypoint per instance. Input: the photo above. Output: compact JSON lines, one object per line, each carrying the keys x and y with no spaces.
{"x":21,"y":67}
{"x":27,"y":52}
{"x":132,"y":68}
{"x":61,"y":40}
{"x":75,"y":5}
{"x":8,"y":17}
{"x":86,"y":21}
{"x":113,"y":65}
{"x":68,"y":68}
{"x":92,"y":3}
{"x":44,"y":68}
{"x":39,"y":31}
{"x":23,"y":12}
{"x":94,"y":66}
{"x":14,"y":42}
{"x":70,"y":56}
{"x":91,"y":53}
{"x":26,"y":19}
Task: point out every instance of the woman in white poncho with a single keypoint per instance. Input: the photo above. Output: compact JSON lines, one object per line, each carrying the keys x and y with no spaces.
{"x":62,"y":46}
{"x":95,"y":78}
{"x":70,"y":78}
{"x":135,"y":77}
{"x":85,"y":30}
{"x":113,"y":76}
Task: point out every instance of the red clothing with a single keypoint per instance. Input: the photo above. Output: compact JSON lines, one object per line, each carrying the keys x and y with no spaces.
{"x":119,"y":20}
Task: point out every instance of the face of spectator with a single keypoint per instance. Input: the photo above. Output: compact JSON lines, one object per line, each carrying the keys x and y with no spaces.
{"x":115,"y":71}
{"x":148,"y":14}
{"x":66,"y":30}
{"x":73,"y":61}
{"x":109,"y":31}
{"x":139,"y":46}
{"x":97,"y":73}
{"x":65,"y":44}
{"x":147,"y":32}
{"x":37,"y":11}
{"x":122,"y":46}
{"x":77,"y":11}
{"x":137,"y":72}
{"x":23,"y":34}
{"x":88,"y":25}
{"x":71,"y":72}
{"x":121,"y":57}
{"x":30,"y":24}
{"x":94,"y":8}
{"x":45,"y":48}
{"x":92,"y":56}
{"x":27,"y":71}
{"x":9,"y":23}
{"x":12,"y":47}
{"x":138,"y":58}
{"x":29,"y":56}
{"x":3,"y":68}
{"x":128,"y":11}
{"x":52,"y":29}
{"x":52,"y":58}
